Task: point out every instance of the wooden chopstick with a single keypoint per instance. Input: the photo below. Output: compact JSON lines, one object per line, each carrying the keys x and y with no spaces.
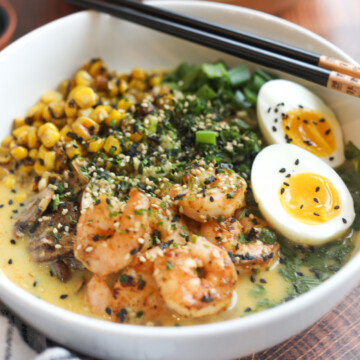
{"x":246,"y":38}
{"x":331,"y":79}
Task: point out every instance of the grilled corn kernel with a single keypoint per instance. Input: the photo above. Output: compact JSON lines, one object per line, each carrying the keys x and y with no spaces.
{"x":138,"y":74}
{"x":125,"y":104}
{"x":51,"y":96}
{"x":64,"y":131}
{"x":101,"y":113}
{"x":32,"y":140}
{"x":123,"y":86}
{"x":33,"y":154}
{"x":136,"y":137}
{"x":114,"y":118}
{"x":64,"y":88}
{"x":112,"y":145}
{"x":95,"y":145}
{"x":39,"y":166}
{"x":113,"y":87}
{"x":49,"y":134}
{"x":4,"y":156}
{"x":85,"y":127}
{"x":155,"y":80}
{"x":73,"y":150}
{"x":19,"y":130}
{"x":49,"y":160}
{"x":71,"y":109}
{"x":84,"y":112}
{"x":82,"y":77}
{"x":41,"y":152}
{"x":35,"y":113}
{"x":84,"y":96}
{"x":10,"y":181}
{"x":137,"y":84}
{"x":20,"y":121}
{"x":37,"y":123}
{"x":54,"y":110}
{"x":97,"y":67}
{"x":6,"y":142}
{"x":19,"y":153}
{"x":3,"y":172}
{"x":26,"y":166}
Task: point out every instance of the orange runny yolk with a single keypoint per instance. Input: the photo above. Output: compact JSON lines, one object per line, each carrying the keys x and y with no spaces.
{"x":309,"y":130}
{"x":310,"y":198}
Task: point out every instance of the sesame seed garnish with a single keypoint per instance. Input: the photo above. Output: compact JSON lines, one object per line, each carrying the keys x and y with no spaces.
{"x":263,"y":281}
{"x":15,"y":211}
{"x":274,"y":129}
{"x":301,"y":107}
{"x":305,"y":121}
{"x":327,"y":132}
{"x":344,"y":220}
{"x":317,"y":189}
{"x":282,"y":170}
{"x":97,"y":202}
{"x":10,"y":261}
{"x":282,"y":191}
{"x":108,"y":201}
{"x":288,"y":175}
{"x":299,"y":273}
{"x":286,"y":184}
{"x":108,"y":311}
{"x":331,"y":158}
{"x":211,"y":199}
{"x":13,"y":191}
{"x":63,"y":296}
{"x":269,"y":109}
{"x":316,"y":200}
{"x":247,"y":309}
{"x":34,"y":283}
{"x":232,"y":220}
{"x":297,"y":162}
{"x":301,"y":206}
{"x":1,"y":206}
{"x":10,"y":202}
{"x":252,"y":278}
{"x":322,"y":120}
{"x":336,"y":207}
{"x":316,"y":214}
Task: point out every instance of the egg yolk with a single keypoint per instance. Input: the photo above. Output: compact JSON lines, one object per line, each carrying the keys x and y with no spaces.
{"x":309,"y":130}
{"x":310,"y":198}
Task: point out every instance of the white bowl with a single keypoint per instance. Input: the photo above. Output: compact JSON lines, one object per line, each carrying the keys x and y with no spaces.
{"x":41,"y":59}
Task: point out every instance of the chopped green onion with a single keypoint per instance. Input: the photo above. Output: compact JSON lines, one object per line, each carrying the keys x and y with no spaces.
{"x":239,"y":75}
{"x":190,"y":77}
{"x":206,"y":92}
{"x":267,"y":76}
{"x":258,"y":82}
{"x":250,"y":95}
{"x":206,"y":137}
{"x":240,"y":102}
{"x":214,"y":71}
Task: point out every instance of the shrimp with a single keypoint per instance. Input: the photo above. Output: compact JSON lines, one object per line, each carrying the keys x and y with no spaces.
{"x":210,"y":193}
{"x":135,"y":296}
{"x":247,"y":252}
{"x":165,"y":224}
{"x":197,"y":279}
{"x":106,"y":243}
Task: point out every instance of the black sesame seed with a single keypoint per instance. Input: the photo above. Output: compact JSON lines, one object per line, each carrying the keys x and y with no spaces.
{"x":288,"y":175}
{"x":63,"y":296}
{"x":263,"y":281}
{"x":328,"y":131}
{"x":301,"y":206}
{"x":282,"y":191}
{"x":97,"y":202}
{"x":287,"y":127}
{"x":96,"y":238}
{"x":317,"y":274}
{"x":247,"y":309}
{"x":274,"y":129}
{"x":1,"y":206}
{"x":13,"y":191}
{"x":301,"y":107}
{"x":316,"y":200}
{"x":322,"y":120}
{"x":271,"y":255}
{"x":108,"y":201}
{"x":175,"y":218}
{"x":316,"y":214}
{"x":133,"y":252}
{"x":13,"y":242}
{"x":269,"y":109}
{"x":281,"y":260}
{"x":305,"y":121}
{"x":286,"y":184}
{"x":10,"y":202}
{"x":296,"y":288}
{"x":179,"y":196}
{"x":252,"y":278}
{"x":22,"y":204}
{"x":344,"y":220}
{"x":331,"y":158}
{"x":232,"y":220}
{"x":336,"y":207}
{"x":211,"y":199}
{"x":207,"y":298}
{"x":34,"y":283}
{"x":108,"y":311}
{"x":317,"y":189}
{"x":299,"y":273}
{"x":10,"y":261}
{"x":15,"y":211}
{"x":282,"y":170}
{"x":297,"y":162}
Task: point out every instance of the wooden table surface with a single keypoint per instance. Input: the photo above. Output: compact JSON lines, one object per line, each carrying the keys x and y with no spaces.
{"x":337,"y":334}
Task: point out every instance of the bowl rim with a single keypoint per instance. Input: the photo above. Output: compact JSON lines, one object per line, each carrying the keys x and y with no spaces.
{"x":12,"y":22}
{"x":279,"y":312}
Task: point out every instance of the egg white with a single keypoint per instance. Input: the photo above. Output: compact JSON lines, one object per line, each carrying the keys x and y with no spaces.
{"x":281,"y":96}
{"x":267,"y":180}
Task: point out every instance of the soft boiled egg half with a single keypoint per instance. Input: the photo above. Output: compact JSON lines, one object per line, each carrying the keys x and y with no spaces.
{"x":290,"y":113}
{"x":300,"y":195}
